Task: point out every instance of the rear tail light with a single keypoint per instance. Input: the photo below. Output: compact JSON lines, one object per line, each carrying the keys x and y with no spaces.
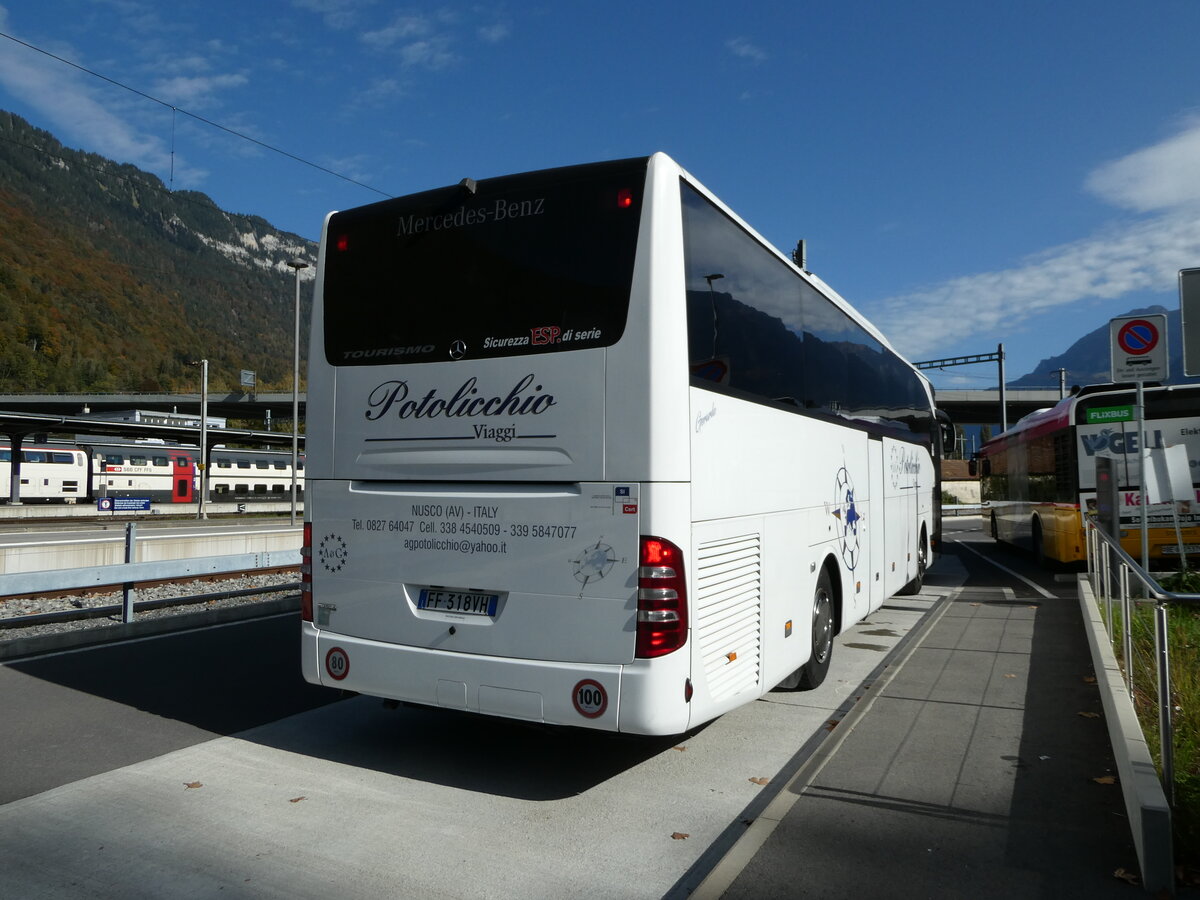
{"x":662,"y":599}
{"x":306,"y":600}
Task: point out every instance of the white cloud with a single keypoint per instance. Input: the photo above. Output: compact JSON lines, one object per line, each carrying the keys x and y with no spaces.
{"x":79,"y":115}
{"x":401,"y":28}
{"x":1164,"y":176}
{"x":1127,"y":256}
{"x":415,"y":39}
{"x":196,"y":92}
{"x":742,"y":47}
{"x":493,"y":34}
{"x":338,"y":14}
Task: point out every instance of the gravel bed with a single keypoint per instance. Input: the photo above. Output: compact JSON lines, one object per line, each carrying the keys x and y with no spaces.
{"x":13,"y":607}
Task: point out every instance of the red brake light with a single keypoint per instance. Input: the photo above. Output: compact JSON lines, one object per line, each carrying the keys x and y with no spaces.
{"x":662,"y":599}
{"x":624,"y":198}
{"x":342,"y":242}
{"x":306,"y":604}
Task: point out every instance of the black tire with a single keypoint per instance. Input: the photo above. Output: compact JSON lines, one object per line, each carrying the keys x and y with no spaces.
{"x":914,"y":586}
{"x":817,"y":667}
{"x":1039,"y":551}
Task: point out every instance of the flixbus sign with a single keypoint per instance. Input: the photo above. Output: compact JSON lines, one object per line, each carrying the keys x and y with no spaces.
{"x":1105,"y":414}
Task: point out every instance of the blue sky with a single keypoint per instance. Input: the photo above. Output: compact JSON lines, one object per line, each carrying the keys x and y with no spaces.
{"x":966,"y":173}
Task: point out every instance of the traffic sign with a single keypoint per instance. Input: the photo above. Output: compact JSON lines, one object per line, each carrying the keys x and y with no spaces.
{"x":1138,"y":347}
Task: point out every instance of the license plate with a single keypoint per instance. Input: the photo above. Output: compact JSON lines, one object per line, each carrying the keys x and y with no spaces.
{"x":471,"y":603}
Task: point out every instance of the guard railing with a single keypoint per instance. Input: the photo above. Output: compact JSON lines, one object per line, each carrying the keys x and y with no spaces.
{"x":1124,"y":589}
{"x":128,"y":574}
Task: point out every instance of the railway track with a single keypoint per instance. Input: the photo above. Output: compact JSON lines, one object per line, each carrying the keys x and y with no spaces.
{"x":50,"y":613}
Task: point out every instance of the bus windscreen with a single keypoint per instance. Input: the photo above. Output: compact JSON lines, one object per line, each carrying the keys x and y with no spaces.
{"x":501,"y":267}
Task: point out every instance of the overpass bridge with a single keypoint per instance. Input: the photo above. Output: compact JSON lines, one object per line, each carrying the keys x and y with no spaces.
{"x":983,"y":407}
{"x":971,"y":407}
{"x":231,"y":405}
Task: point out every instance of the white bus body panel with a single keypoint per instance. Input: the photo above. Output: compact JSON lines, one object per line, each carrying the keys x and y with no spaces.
{"x":561,"y":561}
{"x":756,"y":519}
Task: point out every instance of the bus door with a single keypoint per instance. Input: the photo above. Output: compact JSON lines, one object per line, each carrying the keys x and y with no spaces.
{"x":182,"y":473}
{"x":876,"y":545}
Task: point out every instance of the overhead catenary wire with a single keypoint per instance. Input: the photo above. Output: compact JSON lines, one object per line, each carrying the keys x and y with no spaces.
{"x":175,"y":109}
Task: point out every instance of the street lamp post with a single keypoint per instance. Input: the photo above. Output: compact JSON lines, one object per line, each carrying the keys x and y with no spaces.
{"x":296,"y":264}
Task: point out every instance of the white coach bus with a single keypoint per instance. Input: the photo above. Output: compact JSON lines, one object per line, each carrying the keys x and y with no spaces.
{"x":584,"y":449}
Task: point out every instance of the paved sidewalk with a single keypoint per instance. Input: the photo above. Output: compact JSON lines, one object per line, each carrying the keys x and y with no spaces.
{"x":970,"y":773}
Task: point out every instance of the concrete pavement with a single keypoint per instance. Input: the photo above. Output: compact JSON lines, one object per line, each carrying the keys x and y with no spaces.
{"x":970,"y":771}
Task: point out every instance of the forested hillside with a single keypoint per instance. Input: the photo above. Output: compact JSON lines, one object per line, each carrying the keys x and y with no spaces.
{"x":111,"y":282}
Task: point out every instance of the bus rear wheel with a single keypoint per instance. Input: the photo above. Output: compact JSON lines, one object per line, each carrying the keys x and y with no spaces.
{"x":1039,"y":547}
{"x":814,"y":671}
{"x":914,"y":586}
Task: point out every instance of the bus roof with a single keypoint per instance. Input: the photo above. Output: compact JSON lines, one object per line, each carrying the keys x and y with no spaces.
{"x":1063,"y":414}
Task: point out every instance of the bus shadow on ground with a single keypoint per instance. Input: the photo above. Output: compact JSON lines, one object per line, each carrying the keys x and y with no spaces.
{"x":483,"y":754}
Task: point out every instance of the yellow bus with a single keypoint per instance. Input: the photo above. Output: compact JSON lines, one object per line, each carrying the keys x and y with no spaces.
{"x":1039,"y":477}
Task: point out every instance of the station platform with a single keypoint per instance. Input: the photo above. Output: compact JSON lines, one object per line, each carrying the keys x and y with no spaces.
{"x":979,"y":765}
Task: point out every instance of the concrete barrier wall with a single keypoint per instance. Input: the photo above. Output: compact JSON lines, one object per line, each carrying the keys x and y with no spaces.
{"x":107,"y":547}
{"x":1145,"y":800}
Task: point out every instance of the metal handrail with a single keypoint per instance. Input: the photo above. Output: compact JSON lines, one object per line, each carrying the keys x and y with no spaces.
{"x":1108,"y":563}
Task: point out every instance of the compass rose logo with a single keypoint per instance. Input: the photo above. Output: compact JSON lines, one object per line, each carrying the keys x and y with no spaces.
{"x":846,"y":512}
{"x":593,"y":563}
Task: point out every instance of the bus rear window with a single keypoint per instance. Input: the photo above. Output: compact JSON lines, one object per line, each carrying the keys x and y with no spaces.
{"x":507,"y":266}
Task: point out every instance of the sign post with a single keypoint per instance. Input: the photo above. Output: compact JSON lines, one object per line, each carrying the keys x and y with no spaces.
{"x":1138,"y":348}
{"x":1189,"y":314}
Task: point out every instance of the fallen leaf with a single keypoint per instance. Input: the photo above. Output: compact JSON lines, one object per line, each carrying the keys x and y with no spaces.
{"x":1090,"y":679}
{"x":1105,"y":779}
{"x":192,"y":784}
{"x":297,"y":799}
{"x":1010,"y":675}
{"x":830,"y":725}
{"x":680,"y":749}
{"x":1126,"y":876}
{"x":680,"y":836}
{"x":760,"y":781}
{"x":1090,"y":715}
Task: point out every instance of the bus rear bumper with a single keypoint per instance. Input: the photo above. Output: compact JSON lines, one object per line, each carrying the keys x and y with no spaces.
{"x":575,"y":694}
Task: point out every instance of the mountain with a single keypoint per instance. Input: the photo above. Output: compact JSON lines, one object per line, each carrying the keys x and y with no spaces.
{"x":111,"y":282}
{"x":1088,"y":360}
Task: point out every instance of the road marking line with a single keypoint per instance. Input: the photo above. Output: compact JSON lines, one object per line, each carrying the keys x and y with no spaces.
{"x":1037,"y":587}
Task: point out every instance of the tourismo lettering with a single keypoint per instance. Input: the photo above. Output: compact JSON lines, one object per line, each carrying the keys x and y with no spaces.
{"x":522,"y":400}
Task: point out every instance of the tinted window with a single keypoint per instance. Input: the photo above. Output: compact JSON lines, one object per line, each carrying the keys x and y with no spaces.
{"x":524,"y":264}
{"x":757,"y":327}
